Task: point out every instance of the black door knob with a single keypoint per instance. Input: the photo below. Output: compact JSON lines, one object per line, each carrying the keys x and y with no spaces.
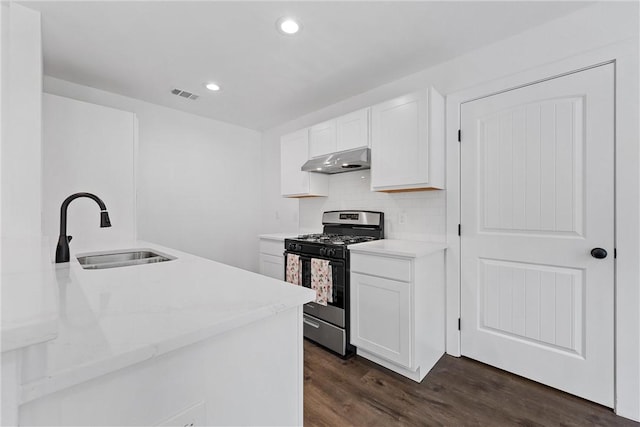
{"x":598,"y":253}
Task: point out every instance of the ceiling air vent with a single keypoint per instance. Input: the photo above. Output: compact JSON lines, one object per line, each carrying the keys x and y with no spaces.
{"x":184,"y":94}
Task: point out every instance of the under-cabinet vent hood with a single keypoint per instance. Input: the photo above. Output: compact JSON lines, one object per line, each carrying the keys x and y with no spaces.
{"x":344,"y":161}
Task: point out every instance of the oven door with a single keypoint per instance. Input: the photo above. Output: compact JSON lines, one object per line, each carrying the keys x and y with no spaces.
{"x":333,"y":312}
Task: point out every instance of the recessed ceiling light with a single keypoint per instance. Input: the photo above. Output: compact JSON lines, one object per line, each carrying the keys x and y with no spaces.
{"x":212,"y":86}
{"x":288,"y":25}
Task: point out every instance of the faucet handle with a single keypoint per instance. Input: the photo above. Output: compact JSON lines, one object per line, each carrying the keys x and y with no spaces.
{"x":104,"y":219}
{"x":69,"y":238}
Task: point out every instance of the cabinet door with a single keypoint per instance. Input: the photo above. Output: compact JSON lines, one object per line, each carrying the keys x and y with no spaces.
{"x":399,"y":141}
{"x":272,"y":266}
{"x":352,"y":130}
{"x":294,"y":152}
{"x":322,"y":139}
{"x":381,"y":318}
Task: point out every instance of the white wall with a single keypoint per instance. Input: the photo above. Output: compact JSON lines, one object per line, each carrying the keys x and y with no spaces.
{"x":197,"y":178}
{"x":21,"y":121}
{"x":88,"y":148}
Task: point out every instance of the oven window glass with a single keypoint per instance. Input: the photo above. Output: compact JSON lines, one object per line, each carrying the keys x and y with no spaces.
{"x":338,"y":280}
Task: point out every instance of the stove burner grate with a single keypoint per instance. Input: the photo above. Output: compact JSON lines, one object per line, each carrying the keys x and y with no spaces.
{"x":334,"y":239}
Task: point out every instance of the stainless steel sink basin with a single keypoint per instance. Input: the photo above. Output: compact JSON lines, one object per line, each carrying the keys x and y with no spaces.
{"x":121,"y":258}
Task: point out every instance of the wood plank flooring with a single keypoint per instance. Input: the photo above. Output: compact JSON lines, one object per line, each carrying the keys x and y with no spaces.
{"x":457,"y":392}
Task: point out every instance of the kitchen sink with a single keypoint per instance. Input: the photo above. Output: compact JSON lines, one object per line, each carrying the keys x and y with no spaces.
{"x":121,"y":258}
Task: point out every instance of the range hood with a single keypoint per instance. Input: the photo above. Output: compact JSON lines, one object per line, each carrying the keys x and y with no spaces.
{"x":344,"y":161}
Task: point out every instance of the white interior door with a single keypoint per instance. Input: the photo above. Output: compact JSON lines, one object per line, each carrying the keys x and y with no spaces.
{"x":537,"y":195}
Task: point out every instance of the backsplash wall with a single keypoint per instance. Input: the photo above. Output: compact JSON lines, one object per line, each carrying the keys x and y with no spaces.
{"x":423,"y":211}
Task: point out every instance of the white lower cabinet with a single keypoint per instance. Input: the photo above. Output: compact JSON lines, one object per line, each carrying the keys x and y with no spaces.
{"x":272,"y":266}
{"x":381,"y":322}
{"x":397,"y":310}
{"x":272,"y":257}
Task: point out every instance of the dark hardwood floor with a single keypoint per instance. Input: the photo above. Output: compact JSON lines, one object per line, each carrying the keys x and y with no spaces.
{"x":457,"y":392}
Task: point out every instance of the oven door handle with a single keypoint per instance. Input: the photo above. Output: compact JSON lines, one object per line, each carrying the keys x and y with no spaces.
{"x":310,"y":323}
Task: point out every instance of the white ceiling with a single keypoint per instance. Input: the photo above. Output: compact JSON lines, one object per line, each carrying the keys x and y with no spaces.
{"x":145,"y":49}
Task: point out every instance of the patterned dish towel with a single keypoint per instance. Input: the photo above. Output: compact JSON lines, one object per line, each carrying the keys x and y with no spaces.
{"x":294,"y":272}
{"x":322,"y":280}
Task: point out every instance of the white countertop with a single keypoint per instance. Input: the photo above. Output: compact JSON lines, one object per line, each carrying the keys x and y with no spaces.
{"x":29,"y":297}
{"x":112,"y":318}
{"x":401,"y":248}
{"x":278,"y":236}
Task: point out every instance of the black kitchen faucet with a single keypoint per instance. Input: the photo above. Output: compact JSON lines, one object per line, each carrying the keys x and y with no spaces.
{"x":62,"y":250}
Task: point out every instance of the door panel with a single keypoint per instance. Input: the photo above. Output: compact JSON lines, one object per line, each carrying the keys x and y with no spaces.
{"x":538,"y":304}
{"x":531,"y":168}
{"x":536,"y":197}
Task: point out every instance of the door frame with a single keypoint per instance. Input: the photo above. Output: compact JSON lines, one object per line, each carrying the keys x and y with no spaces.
{"x":626,"y":199}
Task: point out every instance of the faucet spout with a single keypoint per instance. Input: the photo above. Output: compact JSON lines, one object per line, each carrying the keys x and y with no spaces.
{"x":62,"y":249}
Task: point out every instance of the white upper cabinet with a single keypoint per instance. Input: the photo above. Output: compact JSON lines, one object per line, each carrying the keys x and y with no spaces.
{"x":352,"y":130}
{"x":294,"y":152}
{"x":322,"y":138}
{"x":407,"y":143}
{"x":343,"y":133}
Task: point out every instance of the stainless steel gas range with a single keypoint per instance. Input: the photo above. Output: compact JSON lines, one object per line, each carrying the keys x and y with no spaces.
{"x":328,"y":325}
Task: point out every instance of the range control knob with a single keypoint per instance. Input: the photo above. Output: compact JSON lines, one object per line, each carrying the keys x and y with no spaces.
{"x":298,"y":247}
{"x":291,"y":246}
{"x":323,"y":251}
{"x":331,"y":252}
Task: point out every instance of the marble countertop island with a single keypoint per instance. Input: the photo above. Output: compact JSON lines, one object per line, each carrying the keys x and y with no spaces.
{"x":92,"y":322}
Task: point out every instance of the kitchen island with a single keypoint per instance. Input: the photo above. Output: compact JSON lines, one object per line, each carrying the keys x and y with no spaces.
{"x":171,"y":343}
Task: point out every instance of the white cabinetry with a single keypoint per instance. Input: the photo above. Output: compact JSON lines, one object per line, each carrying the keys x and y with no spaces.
{"x":322,"y":138}
{"x":407,"y":143}
{"x":397,"y":308}
{"x":382,"y":313}
{"x":343,"y":133}
{"x":294,"y":152}
{"x":352,"y":130}
{"x":271,"y":257}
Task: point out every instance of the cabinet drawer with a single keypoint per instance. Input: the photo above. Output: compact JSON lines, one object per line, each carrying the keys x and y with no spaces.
{"x":329,"y":335}
{"x":271,"y":247}
{"x":392,"y":268}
